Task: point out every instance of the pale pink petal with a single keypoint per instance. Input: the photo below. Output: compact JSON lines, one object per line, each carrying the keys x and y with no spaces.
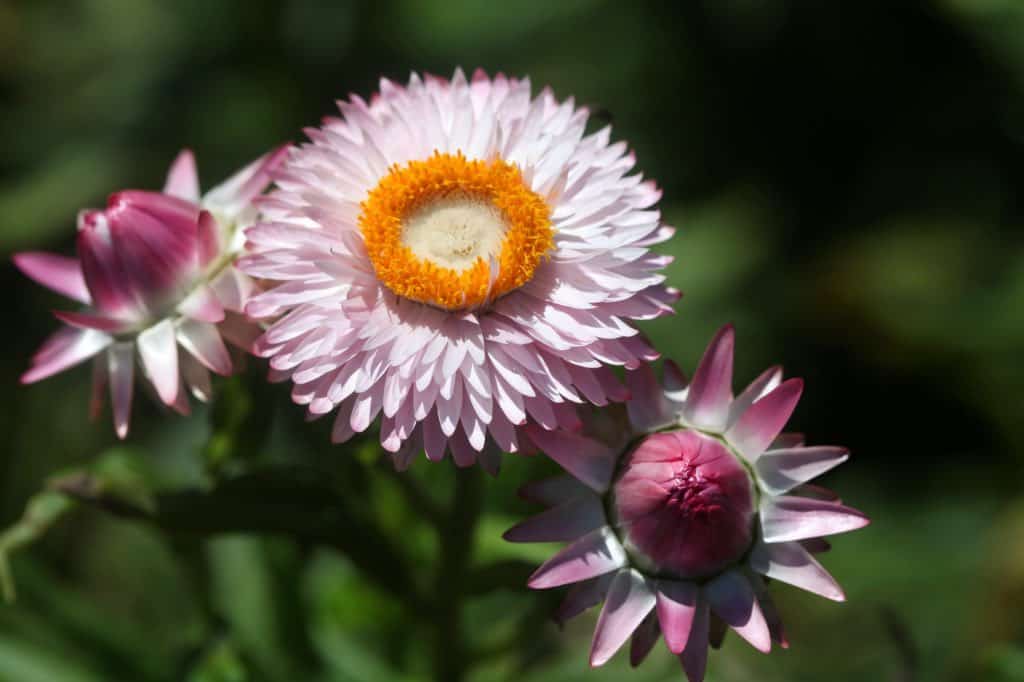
{"x":732,"y":599}
{"x":767,"y":381}
{"x":202,"y":305}
{"x":594,"y":554}
{"x":782,"y":470}
{"x":567,"y":521}
{"x":196,"y":377}
{"x":797,"y":518}
{"x":182,"y":178}
{"x":159,"y":352}
{"x":677,"y":608}
{"x":235,"y":193}
{"x":591,"y":461}
{"x":91,"y":321}
{"x":203,"y":341}
{"x":64,"y":349}
{"x":59,"y":273}
{"x":628,"y":602}
{"x":207,"y":238}
{"x":707,"y":402}
{"x":790,"y":563}
{"x":120,"y":367}
{"x":756,"y":428}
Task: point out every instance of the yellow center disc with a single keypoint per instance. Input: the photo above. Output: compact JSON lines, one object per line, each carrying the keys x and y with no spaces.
{"x":435,"y":228}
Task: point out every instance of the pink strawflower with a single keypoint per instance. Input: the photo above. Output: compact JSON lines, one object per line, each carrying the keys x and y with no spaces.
{"x":677,"y":517}
{"x":459,"y":257}
{"x":154,"y":272}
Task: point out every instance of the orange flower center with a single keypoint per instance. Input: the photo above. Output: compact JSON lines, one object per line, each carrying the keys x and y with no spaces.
{"x":455,"y":233}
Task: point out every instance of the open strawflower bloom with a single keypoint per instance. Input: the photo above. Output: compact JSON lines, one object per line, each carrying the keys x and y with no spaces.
{"x":154,"y":273}
{"x":677,"y":518}
{"x":460,"y":257}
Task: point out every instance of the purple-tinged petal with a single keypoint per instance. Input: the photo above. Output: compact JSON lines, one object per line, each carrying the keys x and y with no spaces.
{"x":91,"y":321}
{"x":695,"y":656}
{"x":591,"y":461}
{"x":203,"y":341}
{"x":208,"y":240}
{"x":65,"y":348}
{"x":707,"y":401}
{"x":238,"y":191}
{"x":553,"y":491}
{"x":677,"y":607}
{"x":758,"y":426}
{"x":171,"y":213}
{"x":791,"y":563}
{"x":570,"y":520}
{"x":108,"y":283}
{"x":582,"y":596}
{"x":817,"y":492}
{"x":628,"y":602}
{"x":816,"y":545}
{"x":121,"y":367}
{"x":59,"y":273}
{"x":733,"y":600}
{"x":594,"y":554}
{"x":798,"y":518}
{"x":644,"y":639}
{"x":159,"y":352}
{"x":784,"y":441}
{"x":763,"y":384}
{"x":202,"y":305}
{"x":182,"y":178}
{"x":717,"y":630}
{"x":782,"y":470}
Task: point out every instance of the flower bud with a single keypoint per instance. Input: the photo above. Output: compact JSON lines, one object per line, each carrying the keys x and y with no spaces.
{"x":684,"y":504}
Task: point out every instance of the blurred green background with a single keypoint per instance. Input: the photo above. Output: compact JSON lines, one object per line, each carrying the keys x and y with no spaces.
{"x":846,"y":177}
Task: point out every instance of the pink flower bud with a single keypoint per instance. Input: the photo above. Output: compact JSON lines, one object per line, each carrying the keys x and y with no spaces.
{"x":684,"y":504}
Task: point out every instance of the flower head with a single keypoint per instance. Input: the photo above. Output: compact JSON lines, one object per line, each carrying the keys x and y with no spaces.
{"x":676,"y":525}
{"x":460,"y":257}
{"x":154,"y":272}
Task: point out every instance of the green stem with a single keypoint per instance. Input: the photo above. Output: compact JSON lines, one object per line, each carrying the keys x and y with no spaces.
{"x":451,"y":654}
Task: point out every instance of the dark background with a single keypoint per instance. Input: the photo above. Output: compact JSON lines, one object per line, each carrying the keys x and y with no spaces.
{"x":846,"y":178}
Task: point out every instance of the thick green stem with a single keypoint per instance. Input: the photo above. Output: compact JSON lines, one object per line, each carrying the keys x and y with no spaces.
{"x":451,"y":654}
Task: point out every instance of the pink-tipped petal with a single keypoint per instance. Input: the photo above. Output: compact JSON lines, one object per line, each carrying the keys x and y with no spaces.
{"x":59,"y":273}
{"x":105,"y":276}
{"x":91,"y":321}
{"x":782,"y":470}
{"x":766,"y":382}
{"x":677,"y":607}
{"x":594,"y":554}
{"x":64,"y":349}
{"x":203,"y":341}
{"x":182,"y":178}
{"x":798,"y":518}
{"x":707,"y":402}
{"x":202,"y":305}
{"x":756,"y":428}
{"x":238,"y":191}
{"x":208,"y":240}
{"x":695,"y":656}
{"x":790,"y":563}
{"x":568,"y":521}
{"x":591,"y":461}
{"x":644,"y":639}
{"x":121,"y":368}
{"x":732,"y":599}
{"x":628,"y":602}
{"x":159,"y":352}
